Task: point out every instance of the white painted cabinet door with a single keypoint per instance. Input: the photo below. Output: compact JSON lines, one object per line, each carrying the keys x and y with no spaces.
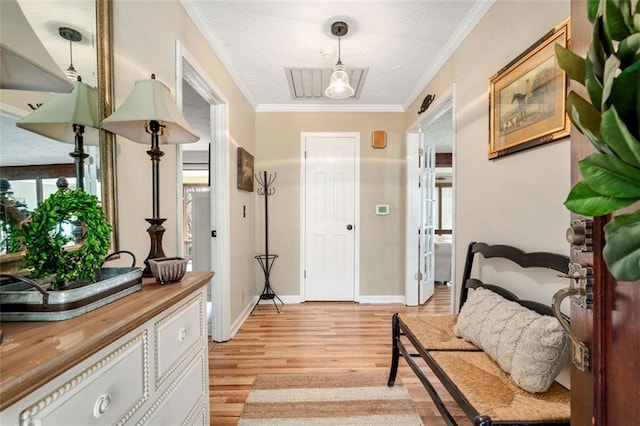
{"x":330,"y":218}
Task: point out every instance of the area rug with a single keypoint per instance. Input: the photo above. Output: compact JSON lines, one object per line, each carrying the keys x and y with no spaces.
{"x":328,"y":399}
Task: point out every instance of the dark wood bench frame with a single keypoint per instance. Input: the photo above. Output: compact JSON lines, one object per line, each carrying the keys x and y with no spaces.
{"x":552,"y":261}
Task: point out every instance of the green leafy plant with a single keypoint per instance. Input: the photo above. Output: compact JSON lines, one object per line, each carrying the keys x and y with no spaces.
{"x":12,"y":213}
{"x":46,"y":254}
{"x":610,"y":119}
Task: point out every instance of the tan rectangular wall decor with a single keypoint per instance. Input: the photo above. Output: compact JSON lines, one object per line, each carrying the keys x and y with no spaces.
{"x":379,"y":139}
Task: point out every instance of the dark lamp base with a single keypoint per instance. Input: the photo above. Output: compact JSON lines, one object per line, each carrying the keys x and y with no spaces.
{"x":155,"y":231}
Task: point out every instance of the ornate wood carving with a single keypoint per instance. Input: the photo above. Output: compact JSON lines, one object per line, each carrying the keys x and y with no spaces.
{"x":426,"y":102}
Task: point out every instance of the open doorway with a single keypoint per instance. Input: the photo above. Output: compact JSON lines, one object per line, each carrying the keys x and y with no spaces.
{"x":430,"y":202}
{"x":195,"y":168}
{"x":204,"y":180}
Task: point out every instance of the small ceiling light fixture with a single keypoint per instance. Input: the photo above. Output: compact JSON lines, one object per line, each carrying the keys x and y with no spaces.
{"x":339,"y":87}
{"x":73,"y":36}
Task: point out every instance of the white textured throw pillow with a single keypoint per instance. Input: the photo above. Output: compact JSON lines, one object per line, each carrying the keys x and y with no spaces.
{"x":532,"y":348}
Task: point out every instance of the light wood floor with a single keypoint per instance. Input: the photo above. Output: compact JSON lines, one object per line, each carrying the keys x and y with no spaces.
{"x":313,"y":337}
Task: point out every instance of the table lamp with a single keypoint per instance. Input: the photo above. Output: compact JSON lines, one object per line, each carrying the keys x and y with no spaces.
{"x":69,"y":118}
{"x":150,"y":114}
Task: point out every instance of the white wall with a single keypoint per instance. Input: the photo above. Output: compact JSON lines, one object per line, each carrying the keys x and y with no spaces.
{"x":517,"y":199}
{"x":382,"y":177}
{"x":514,"y":200}
{"x":144,"y":37}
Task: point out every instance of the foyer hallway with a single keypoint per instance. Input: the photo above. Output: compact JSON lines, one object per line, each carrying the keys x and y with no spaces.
{"x":314,"y":337}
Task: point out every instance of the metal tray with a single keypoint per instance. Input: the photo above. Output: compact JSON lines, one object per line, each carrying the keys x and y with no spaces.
{"x":21,"y":302}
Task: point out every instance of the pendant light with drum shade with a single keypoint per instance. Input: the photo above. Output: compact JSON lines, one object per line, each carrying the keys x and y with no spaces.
{"x":339,"y":87}
{"x":150,"y":113}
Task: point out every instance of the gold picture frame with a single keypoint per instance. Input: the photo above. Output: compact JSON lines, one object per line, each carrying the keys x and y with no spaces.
{"x":527,"y":98}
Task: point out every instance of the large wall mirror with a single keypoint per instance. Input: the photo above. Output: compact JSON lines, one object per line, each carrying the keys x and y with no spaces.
{"x":39,"y":42}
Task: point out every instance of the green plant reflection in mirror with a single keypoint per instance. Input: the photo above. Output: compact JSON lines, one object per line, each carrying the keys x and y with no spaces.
{"x":92,"y":59}
{"x":12,"y":214}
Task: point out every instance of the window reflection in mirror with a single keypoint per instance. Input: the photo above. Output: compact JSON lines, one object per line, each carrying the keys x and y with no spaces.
{"x":30,"y":168}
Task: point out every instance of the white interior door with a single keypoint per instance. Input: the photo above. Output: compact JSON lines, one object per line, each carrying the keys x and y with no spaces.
{"x":413,"y":219}
{"x":431,"y":133}
{"x":329,"y":212}
{"x":426,"y":244}
{"x":421,"y":225}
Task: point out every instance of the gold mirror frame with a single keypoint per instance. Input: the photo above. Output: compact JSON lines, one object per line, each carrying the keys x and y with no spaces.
{"x":105,"y":98}
{"x":11,"y":262}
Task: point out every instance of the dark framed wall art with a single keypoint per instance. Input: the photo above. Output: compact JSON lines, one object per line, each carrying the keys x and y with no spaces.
{"x":527,"y":98}
{"x":245,"y":170}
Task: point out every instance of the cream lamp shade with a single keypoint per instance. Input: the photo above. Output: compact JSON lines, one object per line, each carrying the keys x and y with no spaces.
{"x":25,"y":64}
{"x":55,"y":118}
{"x":150,"y":100}
{"x":17,"y":72}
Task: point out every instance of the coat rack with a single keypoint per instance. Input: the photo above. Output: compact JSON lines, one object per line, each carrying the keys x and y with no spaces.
{"x":266,"y":260}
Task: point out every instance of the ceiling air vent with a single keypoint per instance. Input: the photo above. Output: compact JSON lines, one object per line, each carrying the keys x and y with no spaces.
{"x":310,"y":83}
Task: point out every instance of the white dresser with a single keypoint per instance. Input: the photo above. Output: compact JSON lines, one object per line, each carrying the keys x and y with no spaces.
{"x":140,"y":360}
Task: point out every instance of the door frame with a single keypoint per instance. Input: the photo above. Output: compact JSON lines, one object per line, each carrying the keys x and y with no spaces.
{"x":220,"y":288}
{"x":441,"y":104}
{"x":356,"y":193}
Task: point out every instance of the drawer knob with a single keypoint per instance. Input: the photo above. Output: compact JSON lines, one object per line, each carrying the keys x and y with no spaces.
{"x":102,"y":405}
{"x":182,"y":334}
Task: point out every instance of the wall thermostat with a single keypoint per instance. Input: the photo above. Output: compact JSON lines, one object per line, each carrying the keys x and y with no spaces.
{"x":382,"y":209}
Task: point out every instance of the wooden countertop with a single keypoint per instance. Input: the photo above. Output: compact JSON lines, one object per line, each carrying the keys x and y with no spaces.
{"x":34,"y":353}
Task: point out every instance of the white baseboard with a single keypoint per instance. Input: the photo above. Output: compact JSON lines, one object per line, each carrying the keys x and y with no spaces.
{"x":243,"y":317}
{"x":397,"y":298}
{"x":294,"y":299}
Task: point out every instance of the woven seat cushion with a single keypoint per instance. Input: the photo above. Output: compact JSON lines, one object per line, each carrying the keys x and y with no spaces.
{"x":435,"y":332}
{"x":533,"y":348}
{"x":493,"y":393}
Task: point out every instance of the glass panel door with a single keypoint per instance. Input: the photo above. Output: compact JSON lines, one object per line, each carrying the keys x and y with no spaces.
{"x":428,"y":207}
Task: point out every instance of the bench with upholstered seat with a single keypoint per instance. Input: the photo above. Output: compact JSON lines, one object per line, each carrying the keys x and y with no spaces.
{"x":499,"y":356}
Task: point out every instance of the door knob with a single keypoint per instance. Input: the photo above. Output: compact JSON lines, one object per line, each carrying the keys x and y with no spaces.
{"x":579,"y":351}
{"x":349,"y":227}
{"x":581,"y":292}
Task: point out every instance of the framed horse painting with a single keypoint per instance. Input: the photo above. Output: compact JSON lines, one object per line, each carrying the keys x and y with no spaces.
{"x":527,"y":98}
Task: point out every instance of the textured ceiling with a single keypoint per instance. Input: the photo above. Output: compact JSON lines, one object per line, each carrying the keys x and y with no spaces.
{"x":20,"y":147}
{"x":403,"y":43}
{"x":45,"y":19}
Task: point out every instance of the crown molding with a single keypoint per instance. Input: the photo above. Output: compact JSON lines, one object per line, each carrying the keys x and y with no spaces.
{"x":463,"y":30}
{"x":193,"y":10}
{"x":328,"y":108}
